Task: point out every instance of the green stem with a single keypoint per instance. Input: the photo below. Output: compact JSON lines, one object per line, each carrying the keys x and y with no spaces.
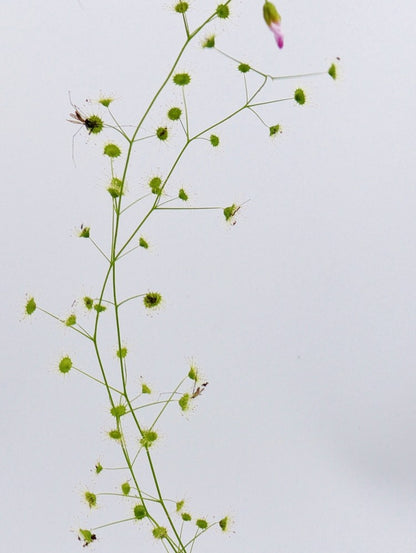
{"x":167,"y":402}
{"x":270,"y":102}
{"x":99,"y":249}
{"x":96,"y":380}
{"x":185,"y":208}
{"x":131,"y":298}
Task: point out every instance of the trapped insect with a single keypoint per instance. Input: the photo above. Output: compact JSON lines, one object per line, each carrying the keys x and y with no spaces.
{"x":93,"y":123}
{"x":198,"y":391}
{"x":86,"y":542}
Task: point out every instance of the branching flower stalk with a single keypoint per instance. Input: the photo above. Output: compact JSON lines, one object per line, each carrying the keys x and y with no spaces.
{"x":125,"y":403}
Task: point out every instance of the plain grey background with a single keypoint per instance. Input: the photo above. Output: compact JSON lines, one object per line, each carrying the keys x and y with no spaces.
{"x":302,"y":315}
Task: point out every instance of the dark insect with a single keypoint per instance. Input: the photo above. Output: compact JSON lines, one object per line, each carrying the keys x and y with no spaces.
{"x":93,"y":538}
{"x":93,"y":123}
{"x":198,"y":391}
{"x":90,"y":123}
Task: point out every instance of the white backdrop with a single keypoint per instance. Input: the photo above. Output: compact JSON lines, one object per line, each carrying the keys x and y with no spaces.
{"x":302,"y":315}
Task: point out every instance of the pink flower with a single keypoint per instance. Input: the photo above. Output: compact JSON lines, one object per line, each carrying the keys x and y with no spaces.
{"x":278,"y":35}
{"x":272,"y":19}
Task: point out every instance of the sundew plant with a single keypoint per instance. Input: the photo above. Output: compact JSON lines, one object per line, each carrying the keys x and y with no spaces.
{"x":136,"y":413}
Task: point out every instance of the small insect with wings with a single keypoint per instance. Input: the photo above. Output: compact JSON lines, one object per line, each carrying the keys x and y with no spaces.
{"x":92,"y":123}
{"x":230,"y":211}
{"x":198,"y":391}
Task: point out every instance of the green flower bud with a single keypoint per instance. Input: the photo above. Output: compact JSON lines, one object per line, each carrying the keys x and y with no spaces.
{"x":88,"y":302}
{"x":184,"y":402}
{"x":181,"y":7}
{"x":214,"y":140}
{"x":116,"y":188}
{"x":193,"y":373}
{"x":30,"y":306}
{"x":118,"y":411}
{"x":152,"y":300}
{"x":125,"y":488}
{"x":224,"y":523}
{"x":182,"y":79}
{"x":244,"y":67}
{"x":115,"y":434}
{"x":105,"y":101}
{"x":143,"y":243}
{"x":162,"y":133}
{"x":222,"y":11}
{"x":140,"y":511}
{"x":270,"y":14}
{"x":209,"y":42}
{"x":84,"y":232}
{"x":65,"y":365}
{"x":160,"y":532}
{"x":299,"y":96}
{"x":202,"y":523}
{"x":332,"y":71}
{"x":174,"y":114}
{"x":146,"y":389}
{"x":155,"y":185}
{"x":148,"y":438}
{"x":91,"y":499}
{"x":274,"y":129}
{"x":182,"y":195}
{"x":112,"y":150}
{"x":71,"y":320}
{"x":121,"y":353}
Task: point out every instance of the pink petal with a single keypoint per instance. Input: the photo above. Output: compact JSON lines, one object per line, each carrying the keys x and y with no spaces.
{"x":278,"y":35}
